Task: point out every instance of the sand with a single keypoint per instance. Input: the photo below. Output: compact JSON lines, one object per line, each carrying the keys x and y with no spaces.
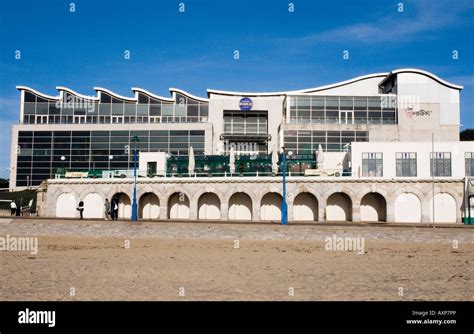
{"x":170,"y":263}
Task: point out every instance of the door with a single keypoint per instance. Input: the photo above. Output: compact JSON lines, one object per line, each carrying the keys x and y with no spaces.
{"x":346,"y":117}
{"x":151,"y":168}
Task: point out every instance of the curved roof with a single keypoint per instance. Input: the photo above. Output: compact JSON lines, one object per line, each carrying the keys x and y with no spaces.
{"x":37,"y":93}
{"x":384,"y":75}
{"x":425,"y":73}
{"x":100,"y":89}
{"x":344,"y":83}
{"x":144,"y":91}
{"x":65,"y":89}
{"x":172,"y":90}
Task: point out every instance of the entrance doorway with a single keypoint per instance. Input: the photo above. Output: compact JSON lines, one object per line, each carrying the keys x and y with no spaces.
{"x":346,"y":117}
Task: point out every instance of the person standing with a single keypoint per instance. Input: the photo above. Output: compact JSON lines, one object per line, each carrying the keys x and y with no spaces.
{"x":12,"y":208}
{"x":80,"y":208}
{"x":107,"y":209}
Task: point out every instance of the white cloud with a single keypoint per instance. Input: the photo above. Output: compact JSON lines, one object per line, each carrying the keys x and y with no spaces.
{"x":396,"y":27}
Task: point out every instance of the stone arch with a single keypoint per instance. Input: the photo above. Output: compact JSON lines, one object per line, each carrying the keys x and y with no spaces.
{"x":240,"y":206}
{"x":339,"y":207}
{"x":373,"y":207}
{"x":373,"y":189}
{"x":209,"y":206}
{"x":66,"y":205}
{"x":445,"y":208}
{"x":179,"y":206}
{"x":149,"y":206}
{"x":93,"y":205}
{"x":270,"y":206}
{"x":305,"y":207}
{"x":124,"y":205}
{"x":407,"y":207}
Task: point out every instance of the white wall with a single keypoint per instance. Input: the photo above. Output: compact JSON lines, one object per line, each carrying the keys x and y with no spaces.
{"x":445,"y":208}
{"x":219,"y":103}
{"x":93,"y":206}
{"x":158,"y":157}
{"x":66,"y":206}
{"x":407,"y":208}
{"x":422,"y":149}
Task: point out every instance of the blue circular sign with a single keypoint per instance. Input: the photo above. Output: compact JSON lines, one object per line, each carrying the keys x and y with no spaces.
{"x":245,"y":104}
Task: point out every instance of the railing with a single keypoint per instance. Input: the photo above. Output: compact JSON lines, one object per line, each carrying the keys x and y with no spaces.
{"x":342,"y":121}
{"x":98,"y":119}
{"x":129,"y":174}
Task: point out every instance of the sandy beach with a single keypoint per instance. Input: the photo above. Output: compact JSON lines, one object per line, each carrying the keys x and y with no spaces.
{"x":214,"y":261}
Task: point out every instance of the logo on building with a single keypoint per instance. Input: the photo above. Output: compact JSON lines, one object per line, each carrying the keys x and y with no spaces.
{"x":245,"y":104}
{"x":411,"y":112}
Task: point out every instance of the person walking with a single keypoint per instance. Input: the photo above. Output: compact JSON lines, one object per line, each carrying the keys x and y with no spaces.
{"x":107,"y":209}
{"x":80,"y":208}
{"x":12,"y":208}
{"x":114,"y":209}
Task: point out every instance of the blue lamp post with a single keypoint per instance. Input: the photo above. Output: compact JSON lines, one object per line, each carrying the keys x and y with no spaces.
{"x":135,"y":142}
{"x":284,"y":207}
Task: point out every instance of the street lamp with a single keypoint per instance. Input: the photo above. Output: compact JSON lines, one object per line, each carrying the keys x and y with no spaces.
{"x":284,"y":207}
{"x":63,"y":158}
{"x":135,"y":142}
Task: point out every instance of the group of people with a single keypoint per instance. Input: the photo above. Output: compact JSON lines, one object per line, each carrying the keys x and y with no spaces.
{"x":110,"y":209}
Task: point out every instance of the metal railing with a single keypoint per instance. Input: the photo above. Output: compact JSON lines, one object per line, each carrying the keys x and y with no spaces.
{"x":343,"y":121}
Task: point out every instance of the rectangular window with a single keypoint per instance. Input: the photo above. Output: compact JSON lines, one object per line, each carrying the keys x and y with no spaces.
{"x":406,"y":164}
{"x":469,"y":160}
{"x":440,"y":164}
{"x":372,"y":165}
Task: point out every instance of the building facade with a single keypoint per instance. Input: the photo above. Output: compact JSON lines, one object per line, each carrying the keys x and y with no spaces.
{"x":380,"y":127}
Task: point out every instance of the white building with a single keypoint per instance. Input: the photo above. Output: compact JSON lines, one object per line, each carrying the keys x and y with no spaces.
{"x":374,"y":128}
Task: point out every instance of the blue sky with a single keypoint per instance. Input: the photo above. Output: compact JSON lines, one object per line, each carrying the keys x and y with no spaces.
{"x":279,"y":50}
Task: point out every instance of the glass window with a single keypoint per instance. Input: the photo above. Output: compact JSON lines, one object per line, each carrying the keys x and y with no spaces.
{"x":105,"y":98}
{"x":303,"y":103}
{"x":440,"y":164}
{"x":155,"y":109}
{"x":406,"y":164}
{"x":29,"y":108}
{"x":360,"y":103}
{"x":346,"y":103}
{"x":181,"y":100}
{"x":193,"y":110}
{"x":469,"y":161}
{"x":143,"y":99}
{"x":142,"y":110}
{"x":332,"y":103}
{"x":29,"y":97}
{"x":130,"y":109}
{"x":180,"y":110}
{"x":117,"y":108}
{"x":42,"y":108}
{"x":374,"y":103}
{"x":372,"y":165}
{"x":317,"y":103}
{"x":104,"y":109}
{"x":167,"y":109}
{"x":204,"y":110}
